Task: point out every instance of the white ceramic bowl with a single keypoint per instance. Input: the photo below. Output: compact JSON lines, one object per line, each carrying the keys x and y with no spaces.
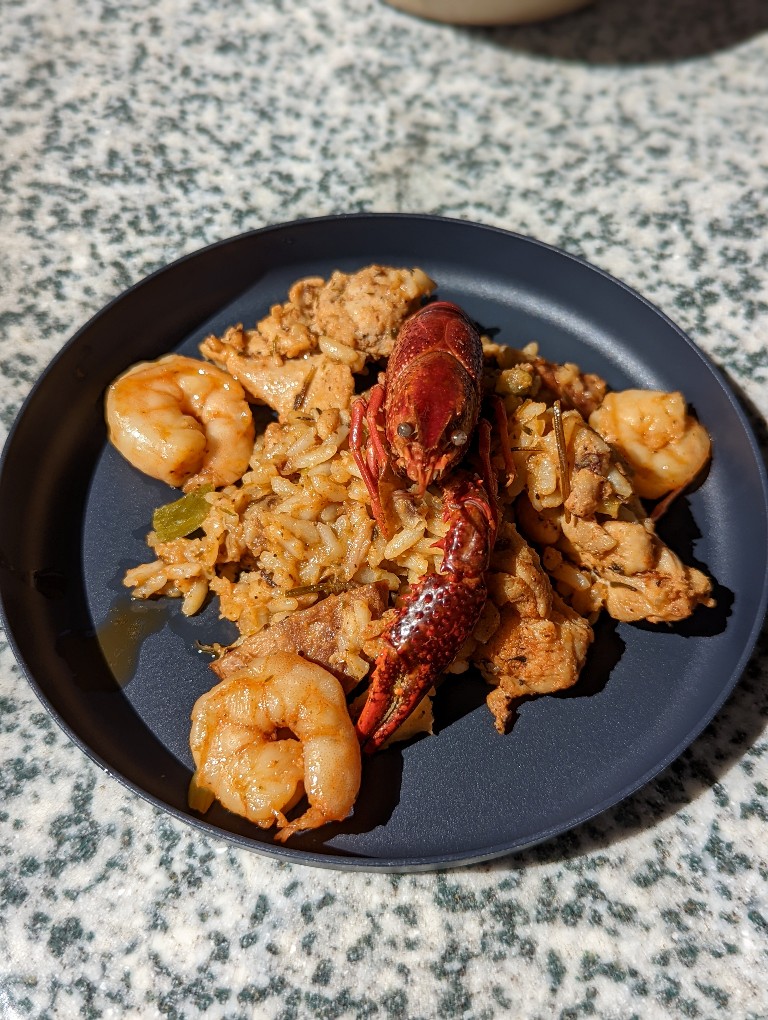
{"x":488,"y":12}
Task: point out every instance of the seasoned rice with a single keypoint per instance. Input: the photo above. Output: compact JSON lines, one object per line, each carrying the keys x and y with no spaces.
{"x":298,"y":519}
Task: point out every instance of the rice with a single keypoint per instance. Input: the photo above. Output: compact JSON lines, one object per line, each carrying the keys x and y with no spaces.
{"x":299,"y":518}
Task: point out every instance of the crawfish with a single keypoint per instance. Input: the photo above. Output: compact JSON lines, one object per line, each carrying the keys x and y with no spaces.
{"x":428,"y":406}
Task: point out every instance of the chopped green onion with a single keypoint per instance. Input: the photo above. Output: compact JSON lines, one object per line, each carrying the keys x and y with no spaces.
{"x":183,"y":516}
{"x":557,"y":419}
{"x":323,"y":588}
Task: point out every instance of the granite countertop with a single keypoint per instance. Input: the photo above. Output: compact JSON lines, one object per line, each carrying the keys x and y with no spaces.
{"x":632,"y":135}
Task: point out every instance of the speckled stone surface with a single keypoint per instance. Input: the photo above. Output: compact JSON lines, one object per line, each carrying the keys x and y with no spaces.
{"x":635,"y":135}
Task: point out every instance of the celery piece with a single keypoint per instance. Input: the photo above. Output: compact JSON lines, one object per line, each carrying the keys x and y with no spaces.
{"x":183,"y":516}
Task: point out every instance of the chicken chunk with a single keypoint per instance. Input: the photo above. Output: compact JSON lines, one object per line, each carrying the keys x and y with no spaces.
{"x":576,"y":390}
{"x":529,"y":655}
{"x":540,"y":643}
{"x":314,"y":381}
{"x":636,"y":575}
{"x":365,"y":309}
{"x":351,"y":317}
{"x":318,"y":633}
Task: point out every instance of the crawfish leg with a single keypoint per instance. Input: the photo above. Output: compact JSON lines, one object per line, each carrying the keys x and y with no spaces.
{"x":393,"y":695}
{"x":500,"y":420}
{"x":377,"y":454}
{"x":367,"y":463}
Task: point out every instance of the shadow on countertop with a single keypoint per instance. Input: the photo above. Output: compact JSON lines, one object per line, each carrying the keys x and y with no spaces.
{"x":616,"y":32}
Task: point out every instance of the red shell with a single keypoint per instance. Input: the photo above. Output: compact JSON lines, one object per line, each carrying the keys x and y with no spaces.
{"x":434,"y":378}
{"x":440,"y":613}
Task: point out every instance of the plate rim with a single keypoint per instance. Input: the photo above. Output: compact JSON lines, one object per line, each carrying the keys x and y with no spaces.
{"x":356,"y":862}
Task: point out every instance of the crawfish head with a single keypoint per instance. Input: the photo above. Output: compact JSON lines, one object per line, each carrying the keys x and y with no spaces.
{"x":433,"y":392}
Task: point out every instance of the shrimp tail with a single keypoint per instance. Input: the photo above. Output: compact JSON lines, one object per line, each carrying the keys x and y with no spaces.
{"x":312,"y":818}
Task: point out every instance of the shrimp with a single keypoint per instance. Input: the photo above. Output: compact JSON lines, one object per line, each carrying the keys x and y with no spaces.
{"x":181,"y":420}
{"x":243,"y":759}
{"x":664,"y":445}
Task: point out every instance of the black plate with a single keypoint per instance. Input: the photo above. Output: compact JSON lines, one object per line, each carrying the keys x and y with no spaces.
{"x":121,"y":678}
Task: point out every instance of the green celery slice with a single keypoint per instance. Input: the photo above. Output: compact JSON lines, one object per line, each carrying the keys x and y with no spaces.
{"x":183,"y":516}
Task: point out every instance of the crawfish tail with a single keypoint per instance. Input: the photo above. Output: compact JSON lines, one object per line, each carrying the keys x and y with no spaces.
{"x":441,"y":612}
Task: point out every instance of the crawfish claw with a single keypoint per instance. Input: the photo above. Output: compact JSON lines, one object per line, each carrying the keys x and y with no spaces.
{"x":392,"y":697}
{"x":422,"y":642}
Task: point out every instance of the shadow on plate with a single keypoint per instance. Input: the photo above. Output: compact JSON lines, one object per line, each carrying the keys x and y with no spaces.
{"x":754,"y":416}
{"x":728,"y":739}
{"x":603,"y":656}
{"x":458,"y":696}
{"x":614,"y":32}
{"x":378,"y":798}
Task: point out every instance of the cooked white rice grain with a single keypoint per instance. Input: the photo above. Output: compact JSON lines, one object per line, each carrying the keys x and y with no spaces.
{"x":282,"y":487}
{"x":334,"y":550}
{"x":305,"y":440}
{"x":195,"y":597}
{"x":403,"y":540}
{"x":342,"y":353}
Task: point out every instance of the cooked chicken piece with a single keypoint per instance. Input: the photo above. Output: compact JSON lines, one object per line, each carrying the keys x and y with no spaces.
{"x":588,"y":494}
{"x":365,"y":310}
{"x":289,"y":329}
{"x":285,"y":333}
{"x":314,"y":381}
{"x":317,"y":633}
{"x":636,"y":575}
{"x":576,"y":390}
{"x":351,"y":317}
{"x":539,"y":644}
{"x":532,"y":656}
{"x":516,"y":574}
